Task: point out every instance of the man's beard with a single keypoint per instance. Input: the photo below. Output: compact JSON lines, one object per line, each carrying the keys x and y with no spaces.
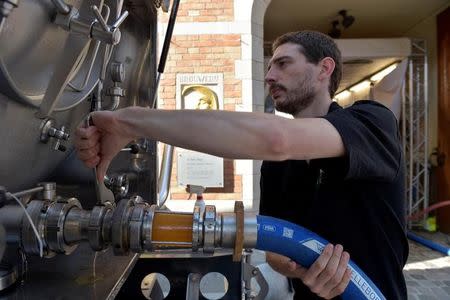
{"x":298,"y":98}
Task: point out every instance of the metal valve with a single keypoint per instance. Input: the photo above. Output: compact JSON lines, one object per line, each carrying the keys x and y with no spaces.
{"x":116,"y":91}
{"x":98,"y":29}
{"x":102,"y":31}
{"x":48,"y":130}
{"x":59,"y":134}
{"x":119,"y":184}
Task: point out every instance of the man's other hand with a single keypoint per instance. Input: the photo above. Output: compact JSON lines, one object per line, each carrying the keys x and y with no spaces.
{"x":327,"y":277}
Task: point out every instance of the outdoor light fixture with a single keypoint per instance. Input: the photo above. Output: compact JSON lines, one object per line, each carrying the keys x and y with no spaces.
{"x":365,"y":83}
{"x":342,"y":95}
{"x":360,"y":86}
{"x":380,"y":75}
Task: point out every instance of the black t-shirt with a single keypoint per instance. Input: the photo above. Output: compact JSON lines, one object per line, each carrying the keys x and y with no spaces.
{"x":356,"y":200}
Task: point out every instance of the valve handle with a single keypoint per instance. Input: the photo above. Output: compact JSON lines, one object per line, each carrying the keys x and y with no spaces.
{"x":99,"y":17}
{"x":120,"y":20}
{"x":102,"y":21}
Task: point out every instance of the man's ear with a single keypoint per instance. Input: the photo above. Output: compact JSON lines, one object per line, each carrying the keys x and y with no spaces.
{"x":327,"y":66}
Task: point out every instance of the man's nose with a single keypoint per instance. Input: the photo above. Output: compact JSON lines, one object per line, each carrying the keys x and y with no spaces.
{"x":270,"y":78}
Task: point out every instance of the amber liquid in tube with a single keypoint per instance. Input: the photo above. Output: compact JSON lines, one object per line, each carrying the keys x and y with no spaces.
{"x":170,"y":227}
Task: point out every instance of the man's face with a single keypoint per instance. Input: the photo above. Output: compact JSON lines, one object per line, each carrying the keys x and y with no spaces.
{"x":291,"y":79}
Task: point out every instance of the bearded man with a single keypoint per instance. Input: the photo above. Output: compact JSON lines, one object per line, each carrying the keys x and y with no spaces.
{"x":338,"y":172}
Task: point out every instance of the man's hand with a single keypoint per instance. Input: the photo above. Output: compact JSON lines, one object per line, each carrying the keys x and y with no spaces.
{"x":327,"y":277}
{"x":97,"y":145}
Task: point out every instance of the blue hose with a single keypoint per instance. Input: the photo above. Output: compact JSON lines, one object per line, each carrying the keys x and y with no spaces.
{"x":304,"y":247}
{"x":428,"y":243}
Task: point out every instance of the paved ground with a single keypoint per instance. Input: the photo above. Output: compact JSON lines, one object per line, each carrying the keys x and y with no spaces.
{"x":427,"y":272}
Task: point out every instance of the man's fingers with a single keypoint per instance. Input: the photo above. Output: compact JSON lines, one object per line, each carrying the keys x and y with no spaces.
{"x":343,"y":285}
{"x":85,"y":132}
{"x":90,"y":153}
{"x":331,"y":268}
{"x":328,"y":276}
{"x":318,"y":266}
{"x":82,"y":143}
{"x":92,"y":162}
{"x":295,"y":270}
{"x":338,"y":276}
{"x":299,"y":271}
{"x":291,"y":265}
{"x":343,"y":263}
{"x":278,"y":262}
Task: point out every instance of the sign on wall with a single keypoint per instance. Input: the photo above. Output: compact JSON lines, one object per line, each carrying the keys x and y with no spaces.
{"x":192,"y":88}
{"x":199,"y":169}
{"x":199,"y":91}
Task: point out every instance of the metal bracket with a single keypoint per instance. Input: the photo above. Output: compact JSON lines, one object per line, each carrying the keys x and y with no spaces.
{"x":239,"y":242}
{"x":250,"y":272}
{"x":193,"y":286}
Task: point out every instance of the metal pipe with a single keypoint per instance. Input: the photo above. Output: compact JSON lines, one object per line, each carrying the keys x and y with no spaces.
{"x":426,"y":155}
{"x":410,"y":135}
{"x":166,"y":165}
{"x":28,"y":192}
{"x":76,"y":225}
{"x":130,"y":226}
{"x":164,"y":175}
{"x":226,"y":233}
{"x":155,"y":92}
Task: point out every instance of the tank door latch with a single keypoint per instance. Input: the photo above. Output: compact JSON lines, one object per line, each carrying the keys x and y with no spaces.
{"x":49,"y":131}
{"x":68,"y":17}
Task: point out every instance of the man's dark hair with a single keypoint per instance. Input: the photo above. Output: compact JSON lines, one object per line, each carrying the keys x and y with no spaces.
{"x":315,"y":46}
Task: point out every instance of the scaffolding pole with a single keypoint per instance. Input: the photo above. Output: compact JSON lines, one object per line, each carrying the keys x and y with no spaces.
{"x":415,"y":131}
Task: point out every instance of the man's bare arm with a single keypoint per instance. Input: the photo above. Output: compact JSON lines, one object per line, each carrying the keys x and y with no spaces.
{"x":235,"y":135}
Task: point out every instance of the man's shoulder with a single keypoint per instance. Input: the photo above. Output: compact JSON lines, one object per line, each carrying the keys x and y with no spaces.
{"x":369,"y":106}
{"x":370,"y":110}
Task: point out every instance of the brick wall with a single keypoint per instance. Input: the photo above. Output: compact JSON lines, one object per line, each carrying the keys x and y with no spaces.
{"x":204,"y":53}
{"x":203,"y":11}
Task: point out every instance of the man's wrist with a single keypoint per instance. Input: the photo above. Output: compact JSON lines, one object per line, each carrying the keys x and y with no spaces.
{"x":127,"y":121}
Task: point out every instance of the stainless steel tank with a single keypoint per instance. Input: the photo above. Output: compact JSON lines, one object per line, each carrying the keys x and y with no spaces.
{"x":60,"y":236}
{"x":50,"y":68}
{"x":59,"y":60}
